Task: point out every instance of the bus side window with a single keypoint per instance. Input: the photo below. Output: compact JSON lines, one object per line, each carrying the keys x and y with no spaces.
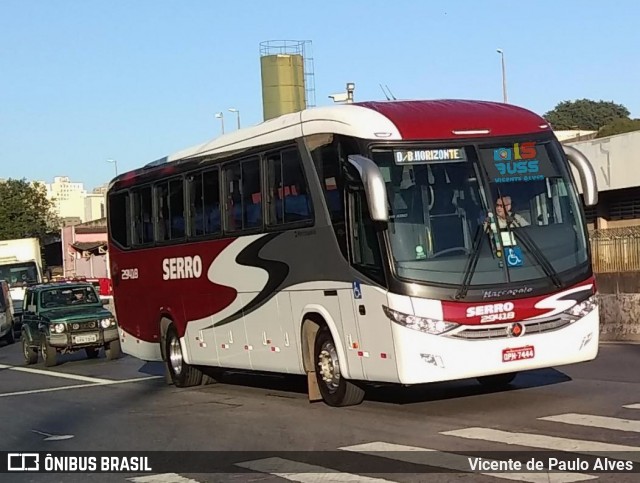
{"x":329,"y":156}
{"x":142,"y":216}
{"x":251,"y":194}
{"x":329,"y":172}
{"x":366,"y":252}
{"x":120,"y":218}
{"x":204,"y":203}
{"x":162,"y":216}
{"x":196,"y":214}
{"x":176,"y":208}
{"x":211,"y":201}
{"x":233,"y":197}
{"x":289,"y":199}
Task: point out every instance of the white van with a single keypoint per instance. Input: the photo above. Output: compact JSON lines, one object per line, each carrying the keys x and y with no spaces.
{"x":6,"y":314}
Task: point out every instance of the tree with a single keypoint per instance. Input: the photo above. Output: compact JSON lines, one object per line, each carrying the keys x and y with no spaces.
{"x":25,"y":210}
{"x":619,"y":126}
{"x":585,"y":114}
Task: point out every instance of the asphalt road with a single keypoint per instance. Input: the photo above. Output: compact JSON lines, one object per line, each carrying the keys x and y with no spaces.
{"x":266,"y":430}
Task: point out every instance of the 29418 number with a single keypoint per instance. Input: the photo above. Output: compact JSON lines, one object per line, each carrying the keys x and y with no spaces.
{"x":129,"y":273}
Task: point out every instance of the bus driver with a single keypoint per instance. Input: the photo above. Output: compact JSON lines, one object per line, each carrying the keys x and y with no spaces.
{"x":503,"y":212}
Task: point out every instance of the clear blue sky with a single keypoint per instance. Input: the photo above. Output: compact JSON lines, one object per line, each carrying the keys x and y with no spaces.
{"x":85,"y":81}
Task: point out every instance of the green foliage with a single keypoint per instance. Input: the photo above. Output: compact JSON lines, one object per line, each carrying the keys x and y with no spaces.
{"x":25,"y":210}
{"x":619,"y":126}
{"x":585,"y":114}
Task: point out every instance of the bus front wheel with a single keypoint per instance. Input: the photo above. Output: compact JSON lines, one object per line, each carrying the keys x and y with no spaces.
{"x":335,"y":389}
{"x":182,"y":374}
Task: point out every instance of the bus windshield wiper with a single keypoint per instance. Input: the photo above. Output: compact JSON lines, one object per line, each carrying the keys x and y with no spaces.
{"x":532,"y":248}
{"x":472,"y":262}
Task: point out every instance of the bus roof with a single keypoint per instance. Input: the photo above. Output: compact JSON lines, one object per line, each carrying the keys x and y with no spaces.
{"x":380,"y":120}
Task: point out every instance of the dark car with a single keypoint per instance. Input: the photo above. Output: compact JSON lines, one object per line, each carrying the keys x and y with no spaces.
{"x":60,"y":318}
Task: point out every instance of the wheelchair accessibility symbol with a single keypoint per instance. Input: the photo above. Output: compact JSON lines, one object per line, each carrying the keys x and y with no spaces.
{"x":513,"y":256}
{"x":357,"y":293}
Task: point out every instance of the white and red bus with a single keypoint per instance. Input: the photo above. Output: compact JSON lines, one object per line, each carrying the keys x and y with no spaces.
{"x":360,"y":242}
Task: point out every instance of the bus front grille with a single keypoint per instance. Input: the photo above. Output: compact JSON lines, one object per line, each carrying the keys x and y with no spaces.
{"x":502,"y":331}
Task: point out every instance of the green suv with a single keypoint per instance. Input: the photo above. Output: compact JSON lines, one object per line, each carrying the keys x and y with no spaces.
{"x":64,"y":317}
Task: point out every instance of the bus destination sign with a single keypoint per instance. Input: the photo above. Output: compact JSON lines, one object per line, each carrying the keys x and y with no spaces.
{"x":415,"y":156}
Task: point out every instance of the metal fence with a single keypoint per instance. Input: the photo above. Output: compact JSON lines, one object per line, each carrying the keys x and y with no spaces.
{"x":616,"y":249}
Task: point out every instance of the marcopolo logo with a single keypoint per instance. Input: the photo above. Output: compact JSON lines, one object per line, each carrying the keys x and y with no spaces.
{"x":511,"y":292}
{"x":181,"y":267}
{"x":519,"y":159}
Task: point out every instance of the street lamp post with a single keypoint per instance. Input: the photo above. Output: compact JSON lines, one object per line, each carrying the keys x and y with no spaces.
{"x":504,"y":77}
{"x":220,"y":116}
{"x":237,"y":111}
{"x":115,"y":164}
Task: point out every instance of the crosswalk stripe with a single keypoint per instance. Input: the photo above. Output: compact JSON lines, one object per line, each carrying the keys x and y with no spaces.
{"x":303,"y":472}
{"x":544,"y":442}
{"x":632,"y":406}
{"x":430,"y":457}
{"x":162,"y":478}
{"x":595,"y":421}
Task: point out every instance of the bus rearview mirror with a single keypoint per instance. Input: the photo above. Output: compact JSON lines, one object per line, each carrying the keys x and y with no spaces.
{"x":587,"y":174}
{"x":374,"y":186}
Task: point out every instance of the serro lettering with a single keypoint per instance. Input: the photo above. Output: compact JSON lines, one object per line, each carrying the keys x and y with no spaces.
{"x":489,"y":309}
{"x":181,"y":267}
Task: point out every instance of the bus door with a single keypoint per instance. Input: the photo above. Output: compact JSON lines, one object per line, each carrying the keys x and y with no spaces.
{"x":375,"y":343}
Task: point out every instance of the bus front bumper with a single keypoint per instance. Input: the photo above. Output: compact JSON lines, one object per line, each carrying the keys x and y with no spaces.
{"x":424,"y":358}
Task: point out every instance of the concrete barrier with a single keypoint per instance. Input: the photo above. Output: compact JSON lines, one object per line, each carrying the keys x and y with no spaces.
{"x":619,"y":317}
{"x":619,"y":302}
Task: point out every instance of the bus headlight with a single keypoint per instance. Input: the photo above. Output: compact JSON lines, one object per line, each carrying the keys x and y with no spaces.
{"x":583,"y":308}
{"x":106,"y":323}
{"x":58,"y":328}
{"x":423,"y":324}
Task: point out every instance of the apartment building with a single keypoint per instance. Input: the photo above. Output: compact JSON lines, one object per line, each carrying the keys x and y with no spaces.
{"x":72,"y":202}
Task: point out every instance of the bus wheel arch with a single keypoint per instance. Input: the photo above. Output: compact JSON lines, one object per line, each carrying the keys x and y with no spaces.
{"x":312,"y":322}
{"x":165,"y":322}
{"x":321,"y":353}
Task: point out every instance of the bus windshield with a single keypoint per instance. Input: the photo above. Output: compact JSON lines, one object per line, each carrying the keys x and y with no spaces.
{"x":510,"y":207}
{"x":19,"y":274}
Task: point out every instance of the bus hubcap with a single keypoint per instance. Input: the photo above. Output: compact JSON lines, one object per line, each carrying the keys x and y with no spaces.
{"x":175,"y":356}
{"x":329,"y":366}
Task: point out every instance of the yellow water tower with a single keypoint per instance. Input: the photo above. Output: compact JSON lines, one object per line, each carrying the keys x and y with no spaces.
{"x":287,"y":77}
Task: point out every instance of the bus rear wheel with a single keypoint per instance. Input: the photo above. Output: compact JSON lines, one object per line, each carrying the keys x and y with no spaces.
{"x":182,"y":374}
{"x":497,"y":381}
{"x":335,"y":390}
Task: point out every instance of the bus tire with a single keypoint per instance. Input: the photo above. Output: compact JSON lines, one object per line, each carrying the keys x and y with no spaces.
{"x":335,"y":390}
{"x":497,"y":381}
{"x":182,"y":374}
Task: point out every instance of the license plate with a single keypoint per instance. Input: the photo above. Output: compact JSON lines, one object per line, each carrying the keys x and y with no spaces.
{"x":85,"y":339}
{"x":518,"y":353}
